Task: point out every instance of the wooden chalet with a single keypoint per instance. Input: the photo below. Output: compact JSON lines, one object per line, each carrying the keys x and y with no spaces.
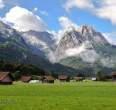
{"x":114,"y":76}
{"x":78,"y":79}
{"x":6,"y":78}
{"x":37,"y":79}
{"x":48,"y":79}
{"x":64,"y":78}
{"x":25,"y":78}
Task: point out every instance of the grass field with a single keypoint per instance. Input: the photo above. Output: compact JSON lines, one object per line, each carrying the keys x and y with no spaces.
{"x":59,"y":96}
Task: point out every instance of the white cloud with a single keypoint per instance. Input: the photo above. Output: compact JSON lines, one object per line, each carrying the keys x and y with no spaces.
{"x":111,"y":37}
{"x":2,"y":4}
{"x":105,"y":9}
{"x":35,"y":9}
{"x":82,"y":4}
{"x":75,"y":51}
{"x":24,"y":20}
{"x":83,"y":52}
{"x":65,"y":22}
{"x":89,"y":56}
{"x":67,"y":25}
{"x":52,"y":57}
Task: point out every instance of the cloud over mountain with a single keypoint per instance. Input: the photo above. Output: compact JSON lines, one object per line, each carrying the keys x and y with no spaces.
{"x":111,"y":37}
{"x":65,"y":22}
{"x":24,"y":20}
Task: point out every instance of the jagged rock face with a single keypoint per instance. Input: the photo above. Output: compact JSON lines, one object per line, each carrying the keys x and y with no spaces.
{"x":86,"y":36}
{"x":13,"y":48}
{"x":42,"y":41}
{"x":32,"y":47}
{"x":95,"y":38}
{"x":69,"y":40}
{"x":84,"y":49}
{"x":10,"y":36}
{"x":6,"y":31}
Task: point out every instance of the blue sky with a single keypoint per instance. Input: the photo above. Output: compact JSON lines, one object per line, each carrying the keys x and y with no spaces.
{"x":51,"y":10}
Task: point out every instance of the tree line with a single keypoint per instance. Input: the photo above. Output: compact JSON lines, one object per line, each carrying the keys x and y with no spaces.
{"x":18,"y":69}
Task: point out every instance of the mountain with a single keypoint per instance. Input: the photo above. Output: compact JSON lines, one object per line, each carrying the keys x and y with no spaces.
{"x":11,"y":41}
{"x":85,"y":37}
{"x":84,"y":48}
{"x":79,"y":50}
{"x":13,"y":48}
{"x":39,"y":42}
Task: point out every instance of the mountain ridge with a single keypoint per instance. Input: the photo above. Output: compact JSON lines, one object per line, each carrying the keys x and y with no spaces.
{"x":78,"y":49}
{"x":85,"y":45}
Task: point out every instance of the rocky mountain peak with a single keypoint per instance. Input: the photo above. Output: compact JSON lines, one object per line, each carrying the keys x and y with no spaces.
{"x":4,"y":26}
{"x":84,"y":37}
{"x":87,"y":29}
{"x":6,"y":30}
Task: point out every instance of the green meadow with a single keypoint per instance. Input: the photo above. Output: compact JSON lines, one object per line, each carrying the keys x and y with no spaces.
{"x":59,"y":96}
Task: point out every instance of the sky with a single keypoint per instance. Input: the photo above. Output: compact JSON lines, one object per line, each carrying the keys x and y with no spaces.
{"x":55,"y":15}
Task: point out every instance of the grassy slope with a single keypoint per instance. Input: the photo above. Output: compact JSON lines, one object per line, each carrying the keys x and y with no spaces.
{"x":72,"y":96}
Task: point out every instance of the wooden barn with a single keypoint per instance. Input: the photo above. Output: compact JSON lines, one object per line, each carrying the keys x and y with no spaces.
{"x":6,"y":78}
{"x":26,"y":78}
{"x":64,"y":78}
{"x":48,"y":79}
{"x":114,"y":76}
{"x":78,"y":79}
{"x":36,"y":79}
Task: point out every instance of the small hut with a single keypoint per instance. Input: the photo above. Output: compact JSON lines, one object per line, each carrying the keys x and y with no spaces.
{"x":36,"y":79}
{"x":48,"y":79}
{"x":26,"y":78}
{"x":6,"y":78}
{"x":78,"y":79}
{"x":114,"y":76}
{"x":64,"y":78}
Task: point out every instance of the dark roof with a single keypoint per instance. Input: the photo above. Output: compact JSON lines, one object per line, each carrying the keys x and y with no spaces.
{"x":114,"y":73}
{"x":38,"y":77}
{"x":63,"y":77}
{"x":25,"y":78}
{"x":49,"y":78}
{"x":3,"y":75}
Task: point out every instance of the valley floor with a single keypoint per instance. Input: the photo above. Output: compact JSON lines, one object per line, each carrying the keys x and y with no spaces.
{"x":59,"y":96}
